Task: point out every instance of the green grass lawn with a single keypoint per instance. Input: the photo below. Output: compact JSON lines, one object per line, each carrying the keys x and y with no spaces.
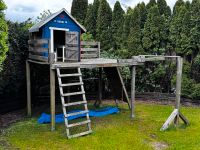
{"x":111,"y":132}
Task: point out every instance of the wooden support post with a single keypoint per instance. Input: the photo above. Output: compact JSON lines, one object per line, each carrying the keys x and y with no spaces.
{"x":176,"y":114}
{"x":100,"y":86}
{"x":178,"y":86}
{"x":133,"y":69}
{"x":52,"y":98}
{"x":28,"y":80}
{"x":98,"y":102}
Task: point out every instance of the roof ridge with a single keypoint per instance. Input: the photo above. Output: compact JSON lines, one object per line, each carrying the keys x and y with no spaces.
{"x":37,"y":26}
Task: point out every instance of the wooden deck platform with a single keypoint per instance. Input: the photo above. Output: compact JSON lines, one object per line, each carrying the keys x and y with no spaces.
{"x":89,"y":63}
{"x":93,"y":63}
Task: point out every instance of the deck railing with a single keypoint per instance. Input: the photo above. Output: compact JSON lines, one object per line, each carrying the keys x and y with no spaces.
{"x":90,"y":50}
{"x":37,"y":50}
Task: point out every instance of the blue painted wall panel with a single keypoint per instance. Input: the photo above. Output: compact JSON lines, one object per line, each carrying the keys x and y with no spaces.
{"x":60,"y":21}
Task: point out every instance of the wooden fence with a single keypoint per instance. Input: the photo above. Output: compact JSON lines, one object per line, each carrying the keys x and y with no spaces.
{"x":37,"y":50}
{"x":90,"y":50}
{"x":155,"y":96}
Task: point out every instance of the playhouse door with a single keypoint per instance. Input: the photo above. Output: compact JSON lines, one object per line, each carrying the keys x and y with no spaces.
{"x":72,"y":46}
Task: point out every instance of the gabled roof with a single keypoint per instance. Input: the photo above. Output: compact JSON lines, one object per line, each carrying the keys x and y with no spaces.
{"x":37,"y":26}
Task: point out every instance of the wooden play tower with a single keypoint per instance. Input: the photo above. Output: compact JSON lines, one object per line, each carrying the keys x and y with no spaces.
{"x":55,"y":42}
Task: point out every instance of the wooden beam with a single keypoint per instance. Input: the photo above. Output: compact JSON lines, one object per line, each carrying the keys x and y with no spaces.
{"x":39,"y":58}
{"x":38,"y":62}
{"x":99,"y":49}
{"x":98,"y":102}
{"x":176,"y":114}
{"x":89,"y":56}
{"x":185,"y":120}
{"x":170,"y":119}
{"x":133,"y":69}
{"x":89,"y":49}
{"x":88,"y":43}
{"x":28,"y":83}
{"x":124,"y":88}
{"x":38,"y":42}
{"x":38,"y":49}
{"x":178,"y":81}
{"x":178,"y":86}
{"x":157,"y":58}
{"x":52,"y":98}
{"x":100,"y":85}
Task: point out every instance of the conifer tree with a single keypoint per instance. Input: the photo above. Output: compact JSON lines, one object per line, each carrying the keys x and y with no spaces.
{"x":135,"y":36}
{"x":103,"y":25}
{"x":153,"y":32}
{"x":177,"y":5}
{"x":176,"y":27}
{"x":126,"y":27}
{"x":185,"y":41}
{"x":3,"y":34}
{"x":187,"y":5}
{"x":143,"y":13}
{"x":195,"y":27}
{"x":164,"y":9}
{"x":79,"y":10}
{"x":91,"y":18}
{"x":95,"y":13}
{"x":150,"y":4}
{"x":117,"y":25}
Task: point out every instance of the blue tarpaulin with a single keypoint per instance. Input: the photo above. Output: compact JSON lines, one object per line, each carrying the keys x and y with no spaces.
{"x":46,"y":118}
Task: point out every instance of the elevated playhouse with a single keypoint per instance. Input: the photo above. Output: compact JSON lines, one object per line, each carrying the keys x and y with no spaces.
{"x":56,"y":42}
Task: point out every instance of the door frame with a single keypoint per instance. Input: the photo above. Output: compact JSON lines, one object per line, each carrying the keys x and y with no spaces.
{"x":52,"y":36}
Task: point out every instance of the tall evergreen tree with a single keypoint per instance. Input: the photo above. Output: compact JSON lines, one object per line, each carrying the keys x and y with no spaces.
{"x":164,"y":9}
{"x":91,"y":17}
{"x":177,"y":5}
{"x":117,"y":25}
{"x":176,"y":28}
{"x":89,"y":20}
{"x":135,"y":36}
{"x":79,"y":9}
{"x":151,"y":4}
{"x":195,"y":27}
{"x":3,"y":34}
{"x":103,"y":25}
{"x":126,"y":27}
{"x":143,"y":13}
{"x":153,"y":32}
{"x":187,"y":5}
{"x":96,"y":7}
{"x":185,"y":41}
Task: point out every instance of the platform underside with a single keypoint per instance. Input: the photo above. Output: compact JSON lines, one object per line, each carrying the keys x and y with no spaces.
{"x":89,"y":63}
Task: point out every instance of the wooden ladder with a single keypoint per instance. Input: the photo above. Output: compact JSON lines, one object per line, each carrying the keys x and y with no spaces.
{"x":68,"y":104}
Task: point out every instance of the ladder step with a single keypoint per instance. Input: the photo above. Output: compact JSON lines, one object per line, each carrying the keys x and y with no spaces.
{"x":80,"y":134}
{"x":77,"y":113}
{"x":71,"y":84}
{"x":78,"y":123}
{"x":75,"y":103}
{"x":74,"y":93}
{"x":70,"y":75}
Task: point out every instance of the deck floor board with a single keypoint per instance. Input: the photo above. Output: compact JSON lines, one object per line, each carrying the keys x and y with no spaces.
{"x":90,"y":63}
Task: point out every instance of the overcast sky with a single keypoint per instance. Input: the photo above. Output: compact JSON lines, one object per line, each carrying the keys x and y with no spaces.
{"x":20,"y":10}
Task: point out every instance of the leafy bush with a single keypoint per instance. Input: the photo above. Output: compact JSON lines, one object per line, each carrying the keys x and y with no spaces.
{"x":13,"y":78}
{"x":196,"y":92}
{"x":188,"y":86}
{"x":3,"y":34}
{"x":87,"y":37}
